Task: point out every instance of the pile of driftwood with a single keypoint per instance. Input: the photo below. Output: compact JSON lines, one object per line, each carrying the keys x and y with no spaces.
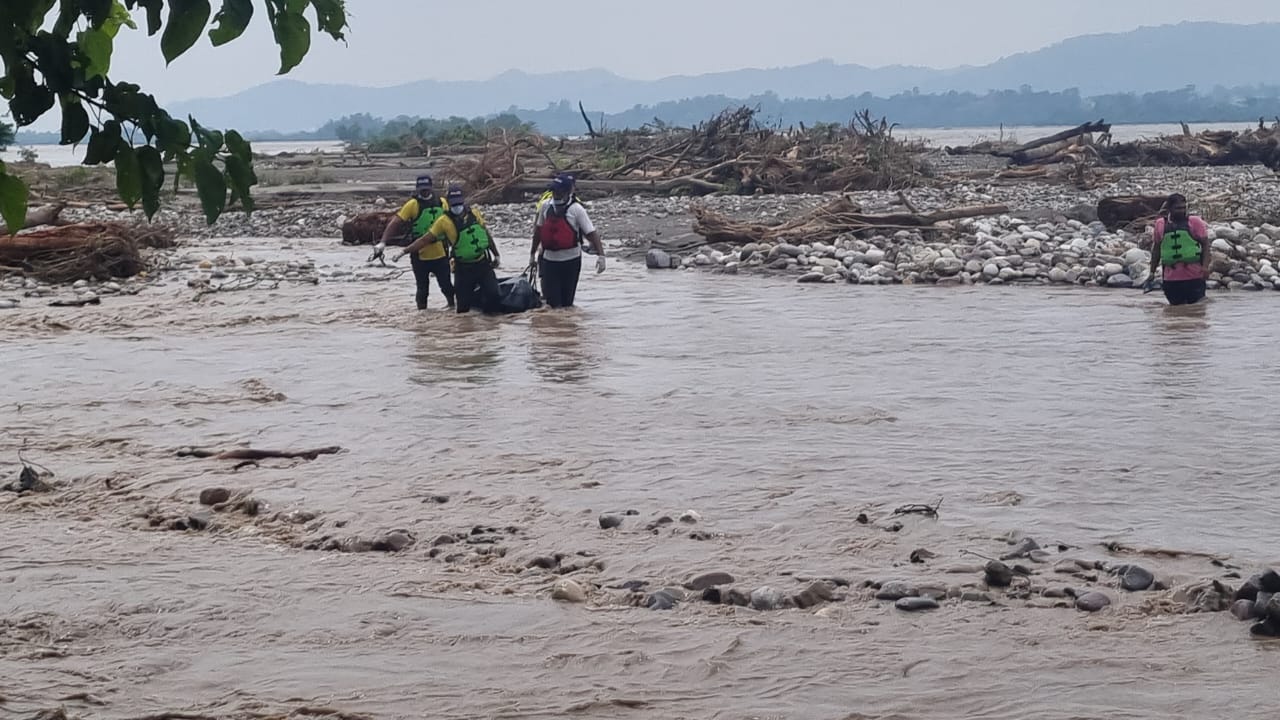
{"x":1258,"y":146}
{"x":1078,"y":146}
{"x":732,"y":152}
{"x":838,"y":218}
{"x":65,"y":252}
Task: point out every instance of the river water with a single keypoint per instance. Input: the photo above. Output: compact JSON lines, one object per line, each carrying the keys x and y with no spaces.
{"x":777,"y":412}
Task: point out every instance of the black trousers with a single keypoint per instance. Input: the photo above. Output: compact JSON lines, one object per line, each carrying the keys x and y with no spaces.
{"x":477,"y":287}
{"x":560,"y":280}
{"x":422,"y":272}
{"x":1184,"y":292}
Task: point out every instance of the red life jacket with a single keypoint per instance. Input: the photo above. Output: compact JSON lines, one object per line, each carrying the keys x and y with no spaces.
{"x":556,"y":233}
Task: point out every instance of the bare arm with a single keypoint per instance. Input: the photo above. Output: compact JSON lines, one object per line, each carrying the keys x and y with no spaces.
{"x":396,"y":227}
{"x":593,"y":237}
{"x":420,"y":243}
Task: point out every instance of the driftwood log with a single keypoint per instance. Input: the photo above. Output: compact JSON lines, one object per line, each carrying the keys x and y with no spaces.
{"x":1023,"y":154}
{"x":43,"y":215}
{"x":253,"y":454}
{"x":825,"y":224}
{"x":1126,"y":210}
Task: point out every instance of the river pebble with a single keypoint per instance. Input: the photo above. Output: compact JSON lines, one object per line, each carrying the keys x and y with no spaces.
{"x":1092,"y":602}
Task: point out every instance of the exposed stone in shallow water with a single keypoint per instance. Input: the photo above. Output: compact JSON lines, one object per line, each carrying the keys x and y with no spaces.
{"x":1243,"y":610}
{"x":1135,"y":578}
{"x":896,"y":590}
{"x":817,"y":593}
{"x":998,"y":574}
{"x":707,"y":580}
{"x":608,"y":522}
{"x":1092,"y":602}
{"x":767,"y":598}
{"x":214,"y":496}
{"x":566,"y":590}
{"x":916,"y":604}
{"x":659,"y":600}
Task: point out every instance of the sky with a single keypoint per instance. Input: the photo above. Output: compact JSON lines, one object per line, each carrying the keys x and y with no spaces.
{"x":396,"y":41}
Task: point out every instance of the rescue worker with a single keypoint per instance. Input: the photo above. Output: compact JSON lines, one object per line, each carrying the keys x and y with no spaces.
{"x":472,"y":249}
{"x":416,"y":217}
{"x":1180,"y":246}
{"x":560,"y":228}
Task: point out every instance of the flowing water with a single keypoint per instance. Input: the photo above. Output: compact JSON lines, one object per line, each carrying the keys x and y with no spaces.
{"x":777,"y":412}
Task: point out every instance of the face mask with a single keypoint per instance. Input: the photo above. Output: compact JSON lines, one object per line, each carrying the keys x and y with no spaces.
{"x":560,"y":201}
{"x":456,"y":209}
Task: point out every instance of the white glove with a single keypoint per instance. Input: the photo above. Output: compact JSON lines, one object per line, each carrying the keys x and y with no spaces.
{"x":599,"y":264}
{"x":396,"y":258}
{"x":497,"y":263}
{"x":379,"y":247}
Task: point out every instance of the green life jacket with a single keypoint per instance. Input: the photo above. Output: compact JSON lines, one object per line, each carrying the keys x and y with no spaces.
{"x":1179,"y":246}
{"x":473,"y":240}
{"x":427,"y":215}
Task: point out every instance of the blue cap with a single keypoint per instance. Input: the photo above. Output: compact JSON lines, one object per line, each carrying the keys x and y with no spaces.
{"x":561,"y":183}
{"x":454,"y":196}
{"x":423,"y":181}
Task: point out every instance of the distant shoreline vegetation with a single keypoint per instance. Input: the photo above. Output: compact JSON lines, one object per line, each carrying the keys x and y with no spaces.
{"x":1022,"y":107}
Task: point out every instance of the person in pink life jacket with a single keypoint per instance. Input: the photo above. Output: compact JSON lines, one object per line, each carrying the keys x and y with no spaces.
{"x":1180,"y":247}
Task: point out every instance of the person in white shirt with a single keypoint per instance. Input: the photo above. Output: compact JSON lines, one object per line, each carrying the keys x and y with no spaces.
{"x":560,"y":228}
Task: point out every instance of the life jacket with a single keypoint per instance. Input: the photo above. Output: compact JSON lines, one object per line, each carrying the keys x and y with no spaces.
{"x":473,"y":243}
{"x":1178,"y":245}
{"x":555,"y":232}
{"x":427,"y":216}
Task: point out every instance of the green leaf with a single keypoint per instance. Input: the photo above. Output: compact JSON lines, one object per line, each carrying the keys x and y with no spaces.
{"x":237,"y":145}
{"x":232,"y":19}
{"x":187,"y":19}
{"x":96,"y":11}
{"x":30,"y":99}
{"x":13,"y":201}
{"x":128,"y":175}
{"x":240,"y":177}
{"x":293,"y":35}
{"x":331,"y":16}
{"x":103,"y":144}
{"x":75,"y":121}
{"x":96,"y":46}
{"x":210,"y":140}
{"x":119,"y":18}
{"x":210,"y":185}
{"x":172,"y":136}
{"x":152,"y":167}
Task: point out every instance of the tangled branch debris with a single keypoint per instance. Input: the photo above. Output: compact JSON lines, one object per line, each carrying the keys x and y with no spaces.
{"x":732,"y":152}
{"x":87,"y":250}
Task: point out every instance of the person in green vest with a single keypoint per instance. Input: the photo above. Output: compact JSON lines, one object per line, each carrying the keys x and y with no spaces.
{"x":473,"y":250}
{"x":417,"y":216}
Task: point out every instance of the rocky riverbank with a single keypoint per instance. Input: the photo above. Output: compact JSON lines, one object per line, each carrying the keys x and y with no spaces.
{"x":1051,"y":236}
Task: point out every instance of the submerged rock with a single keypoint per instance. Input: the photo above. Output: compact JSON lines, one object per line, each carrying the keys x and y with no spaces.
{"x":916,"y":604}
{"x":767,"y":598}
{"x":708,"y":580}
{"x":566,"y":590}
{"x":1135,"y":578}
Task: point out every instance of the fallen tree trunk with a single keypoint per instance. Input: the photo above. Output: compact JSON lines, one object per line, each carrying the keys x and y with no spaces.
{"x":1085,"y":129}
{"x":1121,"y":211}
{"x":43,"y":215}
{"x":826,"y":223}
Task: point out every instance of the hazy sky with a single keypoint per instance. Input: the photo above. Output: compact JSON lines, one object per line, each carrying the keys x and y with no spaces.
{"x":394,"y":41}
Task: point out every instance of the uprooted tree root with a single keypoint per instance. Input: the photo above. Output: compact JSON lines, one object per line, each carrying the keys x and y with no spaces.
{"x":82,"y":251}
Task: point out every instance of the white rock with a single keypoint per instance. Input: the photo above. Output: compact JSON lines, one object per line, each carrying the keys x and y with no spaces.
{"x":991,"y":270}
{"x":874,"y":256}
{"x":1120,"y":280}
{"x":1010,"y":274}
{"x":1222,"y":246}
{"x":1057,"y":275}
{"x":973,"y":267}
{"x":1112,"y":269}
{"x":947,"y":267}
{"x":1035,"y":235}
{"x":1135,"y":256}
{"x":566,"y":590}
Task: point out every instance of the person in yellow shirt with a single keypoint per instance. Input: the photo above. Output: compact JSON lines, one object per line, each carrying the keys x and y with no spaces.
{"x":417,"y":217}
{"x":474,"y":252}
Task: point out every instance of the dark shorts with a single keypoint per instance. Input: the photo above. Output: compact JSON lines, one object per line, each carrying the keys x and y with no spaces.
{"x":1184,"y":292}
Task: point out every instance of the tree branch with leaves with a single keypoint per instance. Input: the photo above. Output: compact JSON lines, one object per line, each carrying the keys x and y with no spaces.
{"x":58,"y":52}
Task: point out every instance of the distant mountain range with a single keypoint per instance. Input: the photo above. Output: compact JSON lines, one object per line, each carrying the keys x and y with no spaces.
{"x":1147,"y":59}
{"x":1167,"y":57}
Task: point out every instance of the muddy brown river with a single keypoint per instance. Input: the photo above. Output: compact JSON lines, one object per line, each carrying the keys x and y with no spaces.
{"x":775,"y":412}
